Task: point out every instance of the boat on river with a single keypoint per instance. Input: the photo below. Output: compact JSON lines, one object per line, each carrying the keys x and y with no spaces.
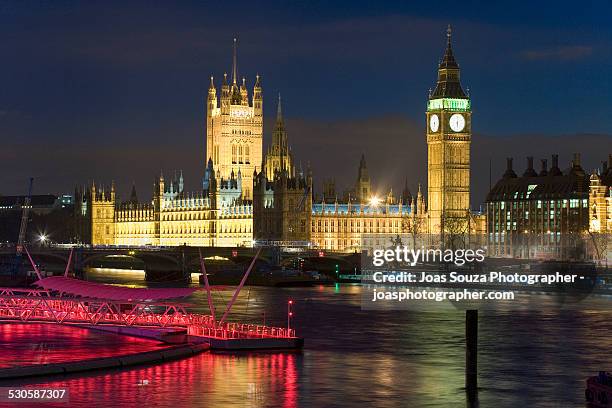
{"x":598,"y":392}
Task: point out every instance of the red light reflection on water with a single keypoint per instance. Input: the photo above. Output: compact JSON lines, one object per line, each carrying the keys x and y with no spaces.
{"x":208,"y":379}
{"x":39,"y":343}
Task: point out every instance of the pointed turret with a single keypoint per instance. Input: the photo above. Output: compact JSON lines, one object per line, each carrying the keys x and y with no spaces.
{"x":244,"y":95}
{"x":279,"y":110}
{"x":234,"y":64}
{"x":133,"y":196}
{"x":257,"y":97}
{"x":212,"y":98}
{"x":363,"y":187}
{"x":406,"y":194}
{"x":236,"y":97}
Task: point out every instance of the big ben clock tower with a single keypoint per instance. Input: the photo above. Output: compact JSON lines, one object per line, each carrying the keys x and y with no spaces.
{"x":449,"y":134}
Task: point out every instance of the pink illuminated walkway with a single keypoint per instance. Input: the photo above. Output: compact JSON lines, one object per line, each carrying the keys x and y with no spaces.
{"x":33,"y":305}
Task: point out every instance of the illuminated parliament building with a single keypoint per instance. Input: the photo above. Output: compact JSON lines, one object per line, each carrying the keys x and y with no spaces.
{"x":251,"y":198}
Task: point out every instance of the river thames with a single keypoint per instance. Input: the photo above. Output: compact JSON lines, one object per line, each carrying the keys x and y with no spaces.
{"x":535,"y":357}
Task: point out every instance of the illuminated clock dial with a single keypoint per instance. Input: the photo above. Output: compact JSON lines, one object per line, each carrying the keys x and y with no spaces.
{"x":240,"y":113}
{"x":457,"y":122}
{"x":434,"y":123}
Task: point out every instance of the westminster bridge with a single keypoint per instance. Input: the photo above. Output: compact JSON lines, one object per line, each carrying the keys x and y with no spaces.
{"x":181,"y":261}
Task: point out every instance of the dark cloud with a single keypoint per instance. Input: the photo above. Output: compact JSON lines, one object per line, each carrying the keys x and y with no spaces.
{"x":565,"y":53}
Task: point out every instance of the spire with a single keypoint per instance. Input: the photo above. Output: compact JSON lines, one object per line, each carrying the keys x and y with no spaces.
{"x":133,"y":196}
{"x":406,"y":194}
{"x":236,"y":96}
{"x":279,"y":109}
{"x":212,"y":83}
{"x":448,"y":61}
{"x":448,"y":85}
{"x":234,"y":66}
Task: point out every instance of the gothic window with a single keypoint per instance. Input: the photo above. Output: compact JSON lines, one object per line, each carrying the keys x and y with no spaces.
{"x":246,"y":154}
{"x":233,"y":153}
{"x":240,"y":159}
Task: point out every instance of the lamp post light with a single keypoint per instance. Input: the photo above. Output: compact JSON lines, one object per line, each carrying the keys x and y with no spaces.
{"x":289,"y":316}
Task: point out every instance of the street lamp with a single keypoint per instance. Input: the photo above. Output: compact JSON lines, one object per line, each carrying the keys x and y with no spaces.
{"x":289,"y":316}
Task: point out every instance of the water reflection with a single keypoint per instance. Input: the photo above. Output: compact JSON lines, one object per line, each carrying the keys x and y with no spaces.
{"x":249,"y":380}
{"x":45,"y":343}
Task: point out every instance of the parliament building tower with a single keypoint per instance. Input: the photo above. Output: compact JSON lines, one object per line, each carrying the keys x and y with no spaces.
{"x":234,"y":129}
{"x":449,"y":134}
{"x":279,"y":156}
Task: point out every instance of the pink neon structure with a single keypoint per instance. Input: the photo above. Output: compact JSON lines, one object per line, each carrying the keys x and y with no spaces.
{"x":32,"y":262}
{"x":211,"y":306}
{"x":95,"y":290}
{"x":28,"y":305}
{"x":94,"y":306}
{"x":68,"y":263}
{"x":244,"y":278}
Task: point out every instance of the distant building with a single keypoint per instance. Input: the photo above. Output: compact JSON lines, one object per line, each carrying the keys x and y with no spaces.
{"x":40,"y":203}
{"x":536,"y":214}
{"x":50,"y":216}
{"x":356,"y":226}
{"x":600,"y":199}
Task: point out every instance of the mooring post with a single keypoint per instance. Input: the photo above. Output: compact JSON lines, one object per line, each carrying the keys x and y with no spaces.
{"x":471,"y":355}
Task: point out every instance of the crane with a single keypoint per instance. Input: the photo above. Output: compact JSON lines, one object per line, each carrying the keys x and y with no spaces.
{"x":25,"y":212}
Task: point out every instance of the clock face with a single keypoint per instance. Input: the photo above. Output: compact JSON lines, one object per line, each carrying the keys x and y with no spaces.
{"x":434,"y":123}
{"x":240,"y":113}
{"x":457,"y":122}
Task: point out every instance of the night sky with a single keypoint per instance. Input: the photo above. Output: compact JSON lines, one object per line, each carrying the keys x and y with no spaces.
{"x":115,"y":91}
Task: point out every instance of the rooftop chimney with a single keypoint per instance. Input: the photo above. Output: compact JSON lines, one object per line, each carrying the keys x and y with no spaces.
{"x":576,"y":161}
{"x":530,"y":172}
{"x":554,"y":169}
{"x":509,"y":172}
{"x":544,"y":171}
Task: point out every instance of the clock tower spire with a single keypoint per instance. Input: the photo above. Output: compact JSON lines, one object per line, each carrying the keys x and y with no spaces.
{"x":449,"y":134}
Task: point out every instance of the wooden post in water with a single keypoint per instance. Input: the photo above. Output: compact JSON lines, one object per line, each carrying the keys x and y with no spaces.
{"x":471,"y":353}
